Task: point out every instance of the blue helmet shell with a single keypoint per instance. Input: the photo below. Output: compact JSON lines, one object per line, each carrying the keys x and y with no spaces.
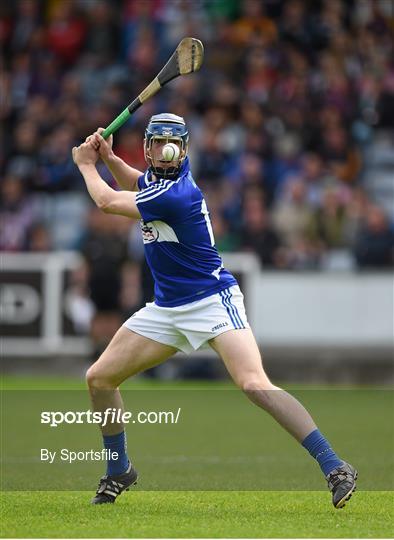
{"x":167,"y":125}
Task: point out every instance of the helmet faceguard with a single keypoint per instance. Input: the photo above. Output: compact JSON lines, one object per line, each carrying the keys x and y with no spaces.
{"x":162,"y":129}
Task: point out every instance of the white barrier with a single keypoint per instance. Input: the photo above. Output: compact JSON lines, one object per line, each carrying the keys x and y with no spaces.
{"x":34,"y":321}
{"x":326,"y":310}
{"x":286,"y":310}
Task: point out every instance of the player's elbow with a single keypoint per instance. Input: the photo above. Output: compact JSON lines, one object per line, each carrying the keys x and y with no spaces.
{"x":104,"y":204}
{"x":121,"y":203}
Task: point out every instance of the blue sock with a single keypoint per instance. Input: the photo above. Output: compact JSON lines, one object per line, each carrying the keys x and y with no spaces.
{"x":116,"y":443}
{"x":320,"y":449}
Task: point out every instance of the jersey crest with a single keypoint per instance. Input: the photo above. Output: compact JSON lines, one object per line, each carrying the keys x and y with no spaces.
{"x":157,"y":231}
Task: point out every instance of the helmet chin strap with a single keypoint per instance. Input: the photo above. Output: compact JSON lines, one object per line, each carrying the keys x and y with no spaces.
{"x":170,"y":172}
{"x":164,"y":172}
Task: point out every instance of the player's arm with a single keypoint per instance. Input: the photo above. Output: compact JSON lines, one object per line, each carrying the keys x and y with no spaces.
{"x":125,"y":176}
{"x":106,"y":198}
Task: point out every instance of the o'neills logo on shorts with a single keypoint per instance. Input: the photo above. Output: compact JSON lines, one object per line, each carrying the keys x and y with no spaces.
{"x":221,"y":325}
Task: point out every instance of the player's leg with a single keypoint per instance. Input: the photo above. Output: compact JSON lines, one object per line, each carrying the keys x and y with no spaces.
{"x":239,"y":352}
{"x":127,"y":354}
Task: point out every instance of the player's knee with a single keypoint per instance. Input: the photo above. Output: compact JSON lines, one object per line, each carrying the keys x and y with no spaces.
{"x":258,"y":391}
{"x":255,"y":384}
{"x":96,"y":379}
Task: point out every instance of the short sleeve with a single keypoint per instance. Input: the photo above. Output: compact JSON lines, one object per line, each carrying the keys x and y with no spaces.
{"x":141,"y":182}
{"x":159,"y":202}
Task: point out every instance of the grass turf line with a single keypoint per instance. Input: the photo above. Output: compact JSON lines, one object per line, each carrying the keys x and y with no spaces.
{"x":216,"y":514}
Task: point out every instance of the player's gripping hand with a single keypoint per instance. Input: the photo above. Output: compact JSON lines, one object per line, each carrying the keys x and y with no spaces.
{"x":103,"y":147}
{"x":84,"y":154}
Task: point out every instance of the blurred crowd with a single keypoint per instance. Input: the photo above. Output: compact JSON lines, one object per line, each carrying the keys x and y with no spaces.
{"x":291,"y":98}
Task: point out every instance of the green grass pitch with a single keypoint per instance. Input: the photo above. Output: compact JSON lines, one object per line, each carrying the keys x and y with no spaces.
{"x":214,"y":514}
{"x":256,"y":485}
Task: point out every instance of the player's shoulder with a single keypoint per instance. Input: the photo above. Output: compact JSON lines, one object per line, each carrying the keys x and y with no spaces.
{"x":184,"y":189}
{"x":168,"y":199}
{"x":143,"y":181}
{"x":177,"y":187}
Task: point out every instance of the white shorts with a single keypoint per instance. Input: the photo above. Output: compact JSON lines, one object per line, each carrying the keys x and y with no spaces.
{"x":191,"y":326}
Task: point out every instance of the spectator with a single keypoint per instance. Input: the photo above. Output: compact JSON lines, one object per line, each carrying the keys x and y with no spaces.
{"x":20,"y":80}
{"x":356,"y":210}
{"x":375,"y":243}
{"x":57,"y":168}
{"x":294,"y":26}
{"x":253,"y":25}
{"x":314,"y":177}
{"x":65,"y":33}
{"x":225,"y":240}
{"x":45,"y":80}
{"x":105,"y":252}
{"x":26,"y":23}
{"x":257,"y":234}
{"x":130,"y":293}
{"x":23,"y":160}
{"x":102,"y":38}
{"x":38,"y":238}
{"x":327,"y":224}
{"x":342,"y":158}
{"x":78,"y":305}
{"x":129,"y":147}
{"x":16,"y":214}
{"x":292,"y":215}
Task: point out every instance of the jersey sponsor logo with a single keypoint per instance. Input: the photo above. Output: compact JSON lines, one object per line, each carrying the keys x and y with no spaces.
{"x":220,"y":325}
{"x":149,"y":232}
{"x":157,"y":231}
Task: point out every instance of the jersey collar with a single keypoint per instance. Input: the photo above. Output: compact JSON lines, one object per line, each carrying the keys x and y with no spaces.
{"x":148,"y":176}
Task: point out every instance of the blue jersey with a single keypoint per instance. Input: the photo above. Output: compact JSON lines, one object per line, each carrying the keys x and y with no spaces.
{"x":178,"y":240}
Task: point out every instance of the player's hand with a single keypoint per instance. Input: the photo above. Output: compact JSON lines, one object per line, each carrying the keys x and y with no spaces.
{"x":84,"y":154}
{"x":103,"y":146}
